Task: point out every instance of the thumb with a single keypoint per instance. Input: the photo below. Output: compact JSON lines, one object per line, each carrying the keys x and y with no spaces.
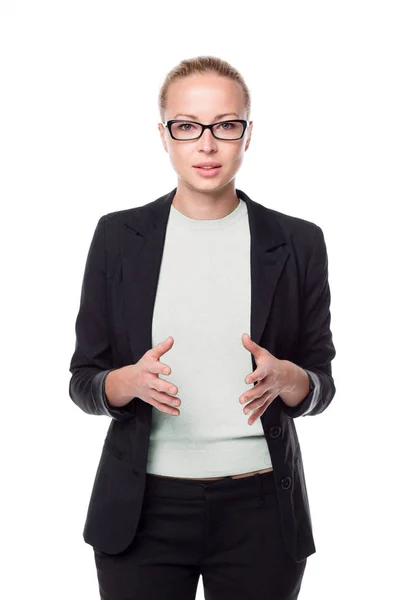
{"x":163,"y":347}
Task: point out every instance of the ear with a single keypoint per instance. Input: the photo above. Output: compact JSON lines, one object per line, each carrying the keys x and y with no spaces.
{"x":248,"y":132}
{"x":161,"y":129}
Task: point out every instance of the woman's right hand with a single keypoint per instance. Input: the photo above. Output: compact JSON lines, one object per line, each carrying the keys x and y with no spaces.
{"x":141,"y":380}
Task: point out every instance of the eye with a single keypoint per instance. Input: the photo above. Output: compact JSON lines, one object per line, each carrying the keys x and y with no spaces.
{"x":182,"y":125}
{"x":229,"y":125}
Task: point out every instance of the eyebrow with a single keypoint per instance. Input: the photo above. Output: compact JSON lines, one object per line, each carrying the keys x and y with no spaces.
{"x":216,"y":116}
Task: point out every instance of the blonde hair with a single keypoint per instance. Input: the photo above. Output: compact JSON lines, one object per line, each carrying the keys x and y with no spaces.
{"x":200,"y":65}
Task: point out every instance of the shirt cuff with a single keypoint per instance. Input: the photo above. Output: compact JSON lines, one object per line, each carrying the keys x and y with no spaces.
{"x":316,"y":393}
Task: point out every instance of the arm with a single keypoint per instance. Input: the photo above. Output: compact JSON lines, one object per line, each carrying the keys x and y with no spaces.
{"x":301,"y":383}
{"x":315,"y":350}
{"x":92,"y":359}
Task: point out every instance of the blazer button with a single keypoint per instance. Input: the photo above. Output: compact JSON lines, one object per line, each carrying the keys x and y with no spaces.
{"x":275,"y":432}
{"x":286,"y":483}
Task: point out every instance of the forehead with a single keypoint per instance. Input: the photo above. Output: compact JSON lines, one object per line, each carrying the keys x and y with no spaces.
{"x":231,"y":115}
{"x":206,"y":96}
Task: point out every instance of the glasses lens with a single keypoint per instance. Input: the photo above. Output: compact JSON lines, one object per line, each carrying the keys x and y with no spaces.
{"x":228,"y":130}
{"x":189,"y":130}
{"x":185,"y":130}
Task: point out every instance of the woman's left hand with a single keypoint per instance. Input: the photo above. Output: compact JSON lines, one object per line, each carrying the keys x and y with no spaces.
{"x":271,"y":375}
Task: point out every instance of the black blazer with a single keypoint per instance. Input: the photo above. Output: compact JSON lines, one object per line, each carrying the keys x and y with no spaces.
{"x":290,"y":316}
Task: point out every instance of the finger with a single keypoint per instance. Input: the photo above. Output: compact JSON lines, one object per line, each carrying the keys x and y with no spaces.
{"x":254,"y":376}
{"x":157,"y":367}
{"x":258,"y":401}
{"x":161,"y":348}
{"x":165,"y":398}
{"x":258,"y":407}
{"x":163,"y":407}
{"x":255,"y":392}
{"x":258,"y":413}
{"x":164,"y":386}
{"x":249,"y":343}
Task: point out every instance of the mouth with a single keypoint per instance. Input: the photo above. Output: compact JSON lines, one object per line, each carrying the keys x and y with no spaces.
{"x":208,"y":170}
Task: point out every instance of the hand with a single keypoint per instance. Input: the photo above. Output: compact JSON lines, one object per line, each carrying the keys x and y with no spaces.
{"x":271,"y":378}
{"x":147,"y":384}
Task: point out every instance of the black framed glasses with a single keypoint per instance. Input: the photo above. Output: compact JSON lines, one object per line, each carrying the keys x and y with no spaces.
{"x":182,"y":130}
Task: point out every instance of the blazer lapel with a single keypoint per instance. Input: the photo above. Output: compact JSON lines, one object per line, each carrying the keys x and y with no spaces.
{"x":142,"y":244}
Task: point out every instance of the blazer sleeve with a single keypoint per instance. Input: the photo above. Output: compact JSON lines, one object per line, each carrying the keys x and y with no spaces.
{"x":315,"y":350}
{"x":92,"y":359}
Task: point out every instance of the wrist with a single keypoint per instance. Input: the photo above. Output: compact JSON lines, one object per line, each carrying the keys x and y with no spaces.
{"x":296,"y":384}
{"x":115,"y":388}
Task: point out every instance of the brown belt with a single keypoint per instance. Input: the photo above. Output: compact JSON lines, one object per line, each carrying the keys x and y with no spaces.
{"x":216,"y":478}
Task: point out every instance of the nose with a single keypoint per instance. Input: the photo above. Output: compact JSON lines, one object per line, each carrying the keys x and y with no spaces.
{"x":207,"y":141}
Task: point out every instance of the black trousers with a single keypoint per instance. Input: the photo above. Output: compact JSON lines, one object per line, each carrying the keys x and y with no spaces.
{"x":228,"y":531}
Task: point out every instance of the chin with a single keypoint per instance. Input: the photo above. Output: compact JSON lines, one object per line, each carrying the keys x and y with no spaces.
{"x":208,"y":183}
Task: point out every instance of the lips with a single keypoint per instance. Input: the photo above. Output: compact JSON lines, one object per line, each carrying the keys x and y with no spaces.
{"x":207,"y":164}
{"x":208,"y":171}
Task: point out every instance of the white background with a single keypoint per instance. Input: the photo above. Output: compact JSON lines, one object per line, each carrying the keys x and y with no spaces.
{"x":79,"y":138}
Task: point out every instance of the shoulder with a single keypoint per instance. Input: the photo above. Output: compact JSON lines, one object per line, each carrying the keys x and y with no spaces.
{"x":302,"y":236}
{"x":118,"y":216}
{"x":295,"y":227}
{"x":140,"y":216}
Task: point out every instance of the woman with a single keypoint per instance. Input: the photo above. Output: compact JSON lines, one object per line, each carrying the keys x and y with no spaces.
{"x":171,"y":291}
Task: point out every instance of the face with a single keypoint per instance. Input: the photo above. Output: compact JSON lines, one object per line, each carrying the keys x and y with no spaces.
{"x":205,"y":97}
